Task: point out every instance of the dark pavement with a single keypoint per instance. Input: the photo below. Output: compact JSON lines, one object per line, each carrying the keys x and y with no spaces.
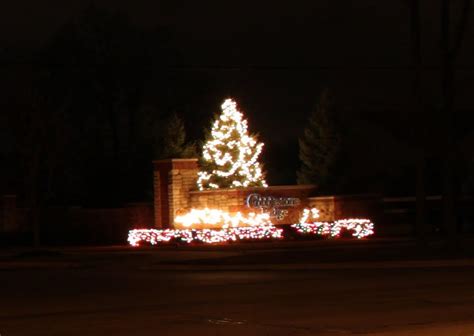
{"x":236,"y":291}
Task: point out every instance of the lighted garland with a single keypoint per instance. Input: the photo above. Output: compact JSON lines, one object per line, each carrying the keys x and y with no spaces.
{"x":207,"y":236}
{"x":239,"y":227}
{"x":230,"y":155}
{"x":360,"y":227}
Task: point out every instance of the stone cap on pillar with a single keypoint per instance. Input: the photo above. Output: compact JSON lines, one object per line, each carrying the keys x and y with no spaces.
{"x":168,"y":164}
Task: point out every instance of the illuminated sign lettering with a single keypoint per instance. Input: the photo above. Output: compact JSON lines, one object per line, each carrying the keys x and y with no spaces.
{"x":272,"y":204}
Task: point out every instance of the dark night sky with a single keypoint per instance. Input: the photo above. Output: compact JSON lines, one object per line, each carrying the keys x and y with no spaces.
{"x":311,"y":32}
{"x":346,"y":36}
{"x":359,"y":49}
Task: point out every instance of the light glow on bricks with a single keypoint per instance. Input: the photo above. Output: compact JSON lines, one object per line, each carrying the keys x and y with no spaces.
{"x":222,"y":219}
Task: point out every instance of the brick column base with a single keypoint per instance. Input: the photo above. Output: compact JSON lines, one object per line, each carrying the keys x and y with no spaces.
{"x":173,"y":179}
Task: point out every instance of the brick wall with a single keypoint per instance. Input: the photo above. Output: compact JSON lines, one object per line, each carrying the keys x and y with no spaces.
{"x":346,"y":206}
{"x":175,"y":193}
{"x":140,"y":215}
{"x":325,"y":205}
{"x":233,"y":200}
{"x":75,"y":225}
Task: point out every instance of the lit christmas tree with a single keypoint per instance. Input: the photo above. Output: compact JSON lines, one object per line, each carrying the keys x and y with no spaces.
{"x":230,"y":154}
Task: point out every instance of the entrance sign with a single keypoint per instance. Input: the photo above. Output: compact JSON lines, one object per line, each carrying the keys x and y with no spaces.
{"x":272,"y":204}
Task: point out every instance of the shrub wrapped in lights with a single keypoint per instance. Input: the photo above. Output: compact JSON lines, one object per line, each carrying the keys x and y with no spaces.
{"x":230,"y":227}
{"x":239,"y":227}
{"x":207,"y":236}
{"x":360,"y":228}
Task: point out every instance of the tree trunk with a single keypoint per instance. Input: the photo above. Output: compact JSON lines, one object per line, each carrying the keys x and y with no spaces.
{"x":421,"y":227}
{"x":419,"y":134}
{"x":448,"y":113}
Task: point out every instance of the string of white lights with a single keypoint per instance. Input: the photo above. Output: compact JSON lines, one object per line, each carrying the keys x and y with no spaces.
{"x":360,"y":227}
{"x":238,"y":226}
{"x":208,"y":236}
{"x":233,"y":151}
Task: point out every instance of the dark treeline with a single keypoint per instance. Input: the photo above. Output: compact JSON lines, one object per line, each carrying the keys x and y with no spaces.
{"x":79,"y":130}
{"x":84,"y":115}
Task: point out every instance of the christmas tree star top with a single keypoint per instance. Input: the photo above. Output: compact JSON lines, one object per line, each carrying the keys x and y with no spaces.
{"x":230,"y":154}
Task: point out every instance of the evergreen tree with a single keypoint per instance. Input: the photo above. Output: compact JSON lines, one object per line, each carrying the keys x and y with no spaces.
{"x":319,"y":147}
{"x":230,"y":154}
{"x":174,"y":140}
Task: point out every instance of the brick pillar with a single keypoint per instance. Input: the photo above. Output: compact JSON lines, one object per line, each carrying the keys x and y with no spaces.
{"x":172,"y":181}
{"x":8,"y":222}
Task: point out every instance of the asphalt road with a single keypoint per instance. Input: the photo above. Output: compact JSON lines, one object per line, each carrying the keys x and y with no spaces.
{"x":203,"y":293}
